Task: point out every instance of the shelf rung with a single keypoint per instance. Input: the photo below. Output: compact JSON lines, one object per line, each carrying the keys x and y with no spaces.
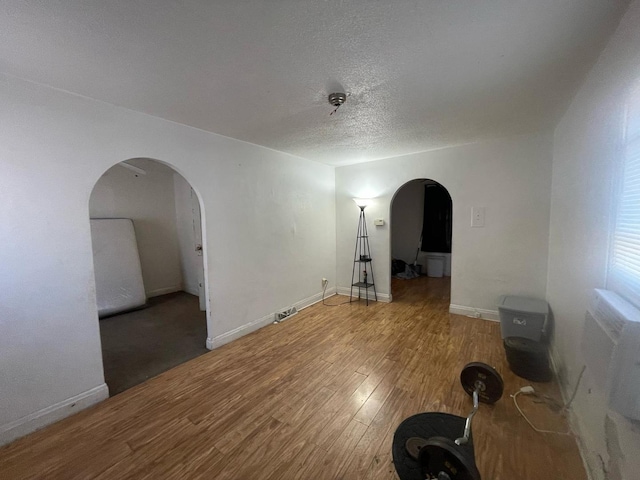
{"x":363,"y":284}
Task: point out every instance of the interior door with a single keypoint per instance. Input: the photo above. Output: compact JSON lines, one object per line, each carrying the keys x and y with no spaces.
{"x":197,"y":235}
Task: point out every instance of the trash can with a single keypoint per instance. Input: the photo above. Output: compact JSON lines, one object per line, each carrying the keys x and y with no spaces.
{"x":435,"y":265}
{"x":528,"y":359}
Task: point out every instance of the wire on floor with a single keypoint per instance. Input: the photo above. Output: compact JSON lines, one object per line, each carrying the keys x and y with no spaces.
{"x":324,"y":290}
{"x":539,"y":430}
{"x":528,"y":390}
{"x":575,"y":389}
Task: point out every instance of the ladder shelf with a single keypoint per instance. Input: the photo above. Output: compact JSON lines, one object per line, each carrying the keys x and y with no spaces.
{"x":362,"y":263}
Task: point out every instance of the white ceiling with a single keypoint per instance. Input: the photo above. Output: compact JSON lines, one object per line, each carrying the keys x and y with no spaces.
{"x":422,"y":74}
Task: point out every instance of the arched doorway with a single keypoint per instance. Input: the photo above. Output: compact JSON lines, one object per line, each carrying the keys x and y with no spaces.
{"x":421,"y":233}
{"x":146,"y":225}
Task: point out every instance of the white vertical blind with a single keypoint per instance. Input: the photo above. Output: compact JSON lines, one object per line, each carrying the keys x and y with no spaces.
{"x":624,"y":272}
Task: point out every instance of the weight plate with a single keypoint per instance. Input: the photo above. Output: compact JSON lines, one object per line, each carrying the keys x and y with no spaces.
{"x":425,"y":425}
{"x":489,"y":381}
{"x":414,"y":445}
{"x":441,"y":458}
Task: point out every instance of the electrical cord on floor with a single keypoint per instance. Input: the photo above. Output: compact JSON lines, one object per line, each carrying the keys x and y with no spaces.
{"x":528,"y":390}
{"x":324,"y":290}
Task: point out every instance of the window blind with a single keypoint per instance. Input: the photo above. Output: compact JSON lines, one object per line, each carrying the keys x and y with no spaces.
{"x":624,"y":270}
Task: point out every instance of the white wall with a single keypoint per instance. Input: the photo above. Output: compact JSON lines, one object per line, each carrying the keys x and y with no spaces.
{"x":190,"y":261}
{"x":511,"y":178}
{"x":149,"y":201}
{"x":407,"y":211}
{"x":269,"y":232}
{"x":586,"y":157}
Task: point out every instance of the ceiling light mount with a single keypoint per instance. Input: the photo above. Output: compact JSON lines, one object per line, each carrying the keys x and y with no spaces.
{"x":337,"y":99}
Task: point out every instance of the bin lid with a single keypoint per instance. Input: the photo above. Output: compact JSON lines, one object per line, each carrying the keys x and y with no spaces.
{"x":523,"y":304}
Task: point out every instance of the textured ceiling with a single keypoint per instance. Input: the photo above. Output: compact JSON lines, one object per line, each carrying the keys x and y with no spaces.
{"x":422,"y":74}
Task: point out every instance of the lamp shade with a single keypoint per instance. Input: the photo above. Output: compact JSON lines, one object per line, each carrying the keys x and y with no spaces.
{"x":362,"y":202}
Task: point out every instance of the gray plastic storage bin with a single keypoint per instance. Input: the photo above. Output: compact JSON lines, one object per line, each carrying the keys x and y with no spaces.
{"x":523,"y":317}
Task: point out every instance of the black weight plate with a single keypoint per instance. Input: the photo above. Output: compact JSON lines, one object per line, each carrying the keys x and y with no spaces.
{"x":485,"y":376}
{"x":442,"y":456}
{"x":425,"y":425}
{"x":413,"y":446}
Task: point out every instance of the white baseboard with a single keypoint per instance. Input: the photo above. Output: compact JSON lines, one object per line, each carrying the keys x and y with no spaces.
{"x":346,"y":291}
{"x":236,"y":333}
{"x":307,"y":302}
{"x":53,"y":413}
{"x":163,"y":291}
{"x":218,"y":341}
{"x":475,"y":312}
{"x":231,"y":335}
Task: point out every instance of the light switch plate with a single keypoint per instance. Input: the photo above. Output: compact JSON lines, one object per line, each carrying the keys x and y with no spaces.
{"x":477,"y":216}
{"x":378,"y":222}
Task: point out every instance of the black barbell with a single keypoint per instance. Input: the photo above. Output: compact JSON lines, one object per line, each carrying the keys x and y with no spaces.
{"x":442,"y":457}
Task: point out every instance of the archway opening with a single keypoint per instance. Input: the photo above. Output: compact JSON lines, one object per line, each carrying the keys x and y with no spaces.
{"x":146,"y":228}
{"x":421,"y":237}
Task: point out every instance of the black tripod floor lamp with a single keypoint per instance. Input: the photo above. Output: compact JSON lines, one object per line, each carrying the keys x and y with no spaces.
{"x":362,"y":263}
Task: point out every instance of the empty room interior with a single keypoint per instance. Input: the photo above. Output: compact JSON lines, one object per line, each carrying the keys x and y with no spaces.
{"x":183,"y":184}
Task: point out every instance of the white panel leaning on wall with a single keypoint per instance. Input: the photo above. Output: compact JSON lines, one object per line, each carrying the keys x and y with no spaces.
{"x":119,"y":285}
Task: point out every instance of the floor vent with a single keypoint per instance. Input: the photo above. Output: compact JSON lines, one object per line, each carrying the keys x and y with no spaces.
{"x":279,"y":316}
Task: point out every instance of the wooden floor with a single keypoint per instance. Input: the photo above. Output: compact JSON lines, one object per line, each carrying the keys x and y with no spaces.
{"x":316,"y":397}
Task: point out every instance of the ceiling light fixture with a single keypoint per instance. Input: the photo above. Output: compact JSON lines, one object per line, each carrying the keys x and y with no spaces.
{"x":337,"y":99}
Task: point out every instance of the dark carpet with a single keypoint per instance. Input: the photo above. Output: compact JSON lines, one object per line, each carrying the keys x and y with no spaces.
{"x":142,"y":344}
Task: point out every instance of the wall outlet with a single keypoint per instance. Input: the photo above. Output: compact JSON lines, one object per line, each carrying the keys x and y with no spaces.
{"x":324,"y":282}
